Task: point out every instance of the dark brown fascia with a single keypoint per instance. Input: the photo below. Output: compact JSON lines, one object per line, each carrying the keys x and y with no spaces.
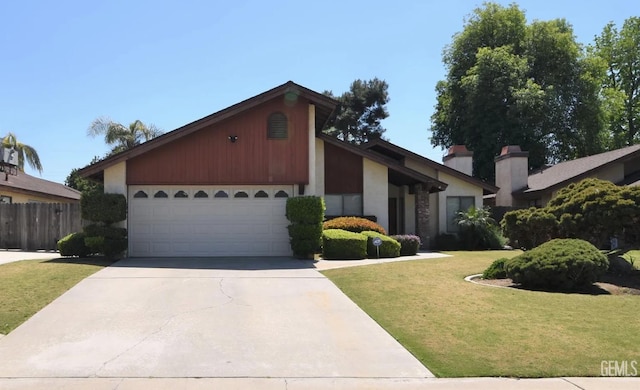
{"x":388,"y":162}
{"x":318,"y":99}
{"x":486,"y":186}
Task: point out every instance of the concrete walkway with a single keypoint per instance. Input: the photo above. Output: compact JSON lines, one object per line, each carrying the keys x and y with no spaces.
{"x":11,"y":255}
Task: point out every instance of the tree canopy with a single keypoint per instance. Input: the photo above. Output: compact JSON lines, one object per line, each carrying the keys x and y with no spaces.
{"x":81,"y":184}
{"x":25,"y":152}
{"x":513,"y":83}
{"x":360,"y":111}
{"x":620,"y":53}
{"x":121,"y":137}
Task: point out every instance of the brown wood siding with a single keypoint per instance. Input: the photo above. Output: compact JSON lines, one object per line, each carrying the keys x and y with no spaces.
{"x":342,"y":171}
{"x":209,"y":157}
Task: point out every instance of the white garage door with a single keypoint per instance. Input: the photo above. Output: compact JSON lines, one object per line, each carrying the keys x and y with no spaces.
{"x":208,"y":221}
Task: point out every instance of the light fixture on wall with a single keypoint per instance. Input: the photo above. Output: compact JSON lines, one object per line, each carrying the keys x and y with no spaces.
{"x":233,"y":138}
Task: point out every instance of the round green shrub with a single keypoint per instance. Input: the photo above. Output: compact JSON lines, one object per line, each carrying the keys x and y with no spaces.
{"x":389,"y":247}
{"x":342,"y":244}
{"x":353,"y":224}
{"x":496,"y":270}
{"x":558,"y":265}
{"x":73,"y":245}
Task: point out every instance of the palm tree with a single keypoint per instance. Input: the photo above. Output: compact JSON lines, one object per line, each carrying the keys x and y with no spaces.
{"x":120,"y":136}
{"x":25,"y":152}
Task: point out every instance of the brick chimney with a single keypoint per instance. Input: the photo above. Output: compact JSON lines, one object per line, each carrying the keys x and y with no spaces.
{"x":512,"y":173}
{"x":460,"y":159}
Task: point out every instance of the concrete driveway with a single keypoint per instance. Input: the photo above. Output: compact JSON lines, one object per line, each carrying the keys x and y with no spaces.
{"x":205,"y":318}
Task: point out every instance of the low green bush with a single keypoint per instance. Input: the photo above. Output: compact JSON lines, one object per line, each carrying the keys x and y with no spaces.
{"x":409,"y":244}
{"x":558,"y":265}
{"x":389,"y":247}
{"x":95,"y":230}
{"x":354,"y":224}
{"x":342,"y":244}
{"x":73,"y":245}
{"x":496,"y":270}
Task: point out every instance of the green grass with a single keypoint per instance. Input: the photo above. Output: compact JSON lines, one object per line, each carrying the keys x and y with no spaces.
{"x":459,"y":329}
{"x":28,"y":286}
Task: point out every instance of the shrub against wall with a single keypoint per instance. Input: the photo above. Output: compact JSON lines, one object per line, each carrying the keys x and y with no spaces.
{"x":528,"y":228}
{"x":73,"y":245}
{"x":306,"y":214}
{"x":343,"y":244}
{"x":104,"y":210}
{"x":354,"y":224}
{"x":559,"y":265}
{"x":409,"y":244}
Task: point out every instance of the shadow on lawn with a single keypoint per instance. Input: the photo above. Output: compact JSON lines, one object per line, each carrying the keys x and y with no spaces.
{"x":100,"y":261}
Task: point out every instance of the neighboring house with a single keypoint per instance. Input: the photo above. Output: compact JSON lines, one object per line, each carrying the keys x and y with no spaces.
{"x":24,"y":188}
{"x":519,"y":188}
{"x":218,"y":186}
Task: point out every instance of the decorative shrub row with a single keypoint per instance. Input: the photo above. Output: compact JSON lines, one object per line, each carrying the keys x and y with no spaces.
{"x":388,"y":248}
{"x":353,"y":224}
{"x":409,"y":244}
{"x":73,"y":245}
{"x":343,"y":244}
{"x":559,"y":264}
{"x":306,"y":214}
{"x":496,"y":270}
{"x":593,"y":210}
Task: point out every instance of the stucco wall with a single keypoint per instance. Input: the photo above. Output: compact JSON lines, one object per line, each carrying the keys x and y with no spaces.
{"x":375,"y":192}
{"x":456,"y":187}
{"x":614,"y":173}
{"x":420,"y":167}
{"x":115,"y":182}
{"x":409,"y":212}
{"x":313,"y":161}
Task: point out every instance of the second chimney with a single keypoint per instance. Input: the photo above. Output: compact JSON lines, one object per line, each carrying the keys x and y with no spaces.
{"x":460,"y":159}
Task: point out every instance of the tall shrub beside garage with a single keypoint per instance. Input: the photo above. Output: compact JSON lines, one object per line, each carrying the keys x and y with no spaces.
{"x":305,"y":214}
{"x":104,"y":210}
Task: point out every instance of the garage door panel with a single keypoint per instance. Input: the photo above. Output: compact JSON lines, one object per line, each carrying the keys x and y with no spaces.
{"x":208,"y":226}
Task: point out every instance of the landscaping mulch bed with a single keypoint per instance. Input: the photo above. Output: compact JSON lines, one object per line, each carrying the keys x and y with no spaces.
{"x":610,"y":284}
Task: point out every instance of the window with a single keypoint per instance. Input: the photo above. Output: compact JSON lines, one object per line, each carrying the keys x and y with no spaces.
{"x":281,"y":194}
{"x":4,"y":199}
{"x":277,"y":126}
{"x":180,"y":194}
{"x":140,"y":194}
{"x":221,"y":194}
{"x":201,"y":194}
{"x":160,"y":194}
{"x":343,"y":204}
{"x":241,"y":194}
{"x":455,"y":204}
{"x":261,"y":194}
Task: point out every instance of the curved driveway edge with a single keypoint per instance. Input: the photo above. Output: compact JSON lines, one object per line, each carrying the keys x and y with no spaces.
{"x":205,"y":318}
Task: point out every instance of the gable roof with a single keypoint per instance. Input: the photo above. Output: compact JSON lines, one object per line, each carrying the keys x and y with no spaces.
{"x":324,"y":108}
{"x":398,"y":153}
{"x":398,"y":174}
{"x":561,"y":174}
{"x":29,"y":185}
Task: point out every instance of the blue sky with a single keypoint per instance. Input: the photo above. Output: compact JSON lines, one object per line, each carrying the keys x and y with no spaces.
{"x":64,"y":63}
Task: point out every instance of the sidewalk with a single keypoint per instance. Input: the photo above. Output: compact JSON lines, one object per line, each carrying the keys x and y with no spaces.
{"x":11,"y":255}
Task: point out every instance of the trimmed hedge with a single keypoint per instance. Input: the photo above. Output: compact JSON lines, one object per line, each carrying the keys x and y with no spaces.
{"x":342,"y":244}
{"x":389,"y":247}
{"x":73,"y":245}
{"x":496,"y":270}
{"x":105,"y":208}
{"x":559,"y":265}
{"x":353,"y":224}
{"x":105,"y":231}
{"x":305,"y":214}
{"x":409,"y":244}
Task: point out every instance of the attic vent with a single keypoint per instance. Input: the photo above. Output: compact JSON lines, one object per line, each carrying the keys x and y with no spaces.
{"x":277,"y":126}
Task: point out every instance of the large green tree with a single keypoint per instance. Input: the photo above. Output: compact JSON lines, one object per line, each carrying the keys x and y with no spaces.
{"x":25,"y":152}
{"x":74,"y":180}
{"x":121,"y":137}
{"x":360,"y":111}
{"x":513,"y":83}
{"x":620,"y":52}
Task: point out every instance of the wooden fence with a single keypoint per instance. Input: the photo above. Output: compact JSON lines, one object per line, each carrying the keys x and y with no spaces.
{"x":33,"y":226}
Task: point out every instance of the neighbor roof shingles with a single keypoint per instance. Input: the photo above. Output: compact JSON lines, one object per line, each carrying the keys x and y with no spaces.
{"x":27,"y":183}
{"x":569,"y":170}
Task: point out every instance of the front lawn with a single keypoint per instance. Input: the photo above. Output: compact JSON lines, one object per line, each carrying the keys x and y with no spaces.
{"x":28,"y":286}
{"x":457,"y":329}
